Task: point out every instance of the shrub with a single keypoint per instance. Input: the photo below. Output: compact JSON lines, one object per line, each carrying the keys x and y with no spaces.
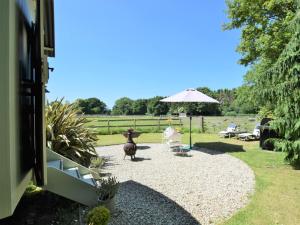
{"x":95,"y":166}
{"x":98,"y":216}
{"x":230,"y":113}
{"x":108,"y":188}
{"x":66,"y":133}
{"x":96,"y":162}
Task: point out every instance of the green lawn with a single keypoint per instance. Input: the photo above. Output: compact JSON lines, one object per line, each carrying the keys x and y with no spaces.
{"x":118,"y":124}
{"x":277,"y":196}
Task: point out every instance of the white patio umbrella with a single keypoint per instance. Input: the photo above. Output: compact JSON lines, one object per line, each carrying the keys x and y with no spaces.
{"x":189,"y":96}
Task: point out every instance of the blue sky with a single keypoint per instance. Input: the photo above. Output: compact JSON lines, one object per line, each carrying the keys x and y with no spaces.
{"x":139,"y":49}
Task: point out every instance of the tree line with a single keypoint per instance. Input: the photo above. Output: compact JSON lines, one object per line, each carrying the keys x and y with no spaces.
{"x":230,"y":104}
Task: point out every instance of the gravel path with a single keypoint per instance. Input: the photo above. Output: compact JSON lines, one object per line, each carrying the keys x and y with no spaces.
{"x":161,"y":188}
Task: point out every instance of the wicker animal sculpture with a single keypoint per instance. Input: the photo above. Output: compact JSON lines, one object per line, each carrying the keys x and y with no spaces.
{"x":130,"y":146}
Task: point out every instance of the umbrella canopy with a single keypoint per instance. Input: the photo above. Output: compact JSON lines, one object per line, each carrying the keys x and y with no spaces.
{"x":190,"y":95}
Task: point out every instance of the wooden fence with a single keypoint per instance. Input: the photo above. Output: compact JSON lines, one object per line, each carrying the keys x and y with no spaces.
{"x":135,"y":123}
{"x":208,"y":124}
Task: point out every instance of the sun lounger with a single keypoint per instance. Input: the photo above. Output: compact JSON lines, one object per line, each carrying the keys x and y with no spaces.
{"x":230,"y":131}
{"x":250,"y":136}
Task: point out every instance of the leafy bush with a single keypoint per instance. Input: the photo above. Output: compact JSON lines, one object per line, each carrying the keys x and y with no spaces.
{"x":95,"y":166}
{"x":66,"y":133}
{"x":266,"y":112}
{"x":108,"y":188}
{"x":230,"y":113}
{"x":98,"y":216}
{"x":96,"y":162}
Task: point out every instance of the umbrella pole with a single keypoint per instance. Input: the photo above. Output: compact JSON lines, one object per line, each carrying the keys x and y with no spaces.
{"x":190,"y":131}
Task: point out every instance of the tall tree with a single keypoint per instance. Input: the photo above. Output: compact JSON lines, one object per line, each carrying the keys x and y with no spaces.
{"x":271,"y":42}
{"x":207,"y":108}
{"x":243,"y":104}
{"x":226,"y":97}
{"x":139,"y":107}
{"x":264,"y":25}
{"x":157,"y":108}
{"x":123,"y":106}
{"x":280,"y":86}
{"x":91,"y":106}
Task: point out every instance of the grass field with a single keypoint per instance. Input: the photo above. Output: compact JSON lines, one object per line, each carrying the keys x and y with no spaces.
{"x":277,"y":193}
{"x":212,"y":124}
{"x":117,"y":125}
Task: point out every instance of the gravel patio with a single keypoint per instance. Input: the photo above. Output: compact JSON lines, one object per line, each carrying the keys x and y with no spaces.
{"x":162,"y":188}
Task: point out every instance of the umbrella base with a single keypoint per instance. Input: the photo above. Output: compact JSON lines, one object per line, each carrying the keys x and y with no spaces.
{"x":183,"y":150}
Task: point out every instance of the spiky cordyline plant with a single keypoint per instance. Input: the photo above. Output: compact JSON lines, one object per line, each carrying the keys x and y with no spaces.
{"x":66,"y":133}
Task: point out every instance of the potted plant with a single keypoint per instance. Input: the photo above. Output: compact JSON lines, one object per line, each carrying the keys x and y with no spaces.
{"x":107,"y":190}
